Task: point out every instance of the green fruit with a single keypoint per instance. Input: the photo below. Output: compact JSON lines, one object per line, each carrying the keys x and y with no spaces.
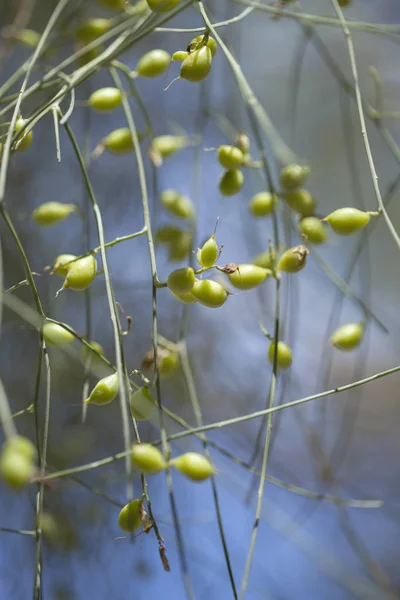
{"x":148,"y":459}
{"x":26,"y":139}
{"x":348,"y":336}
{"x":301,"y":201}
{"x":20,"y":445}
{"x":180,"y":247}
{"x":61,"y":264}
{"x":265,"y":259}
{"x":346,"y":221}
{"x":179,"y":55}
{"x":153,"y":63}
{"x":160,"y":6}
{"x":230,"y":157}
{"x":231,"y":182}
{"x":293,"y":260}
{"x":105,"y":391}
{"x":90,"y":357}
{"x":166,"y":145}
{"x":168,"y":363}
{"x":114,"y":4}
{"x":28,"y":37}
{"x":168,"y":234}
{"x":91,"y":29}
{"x":81,"y":273}
{"x":211,"y":44}
{"x":119,"y":141}
{"x":187,"y":298}
{"x":263,"y":204}
{"x":55,"y":335}
{"x":129,"y":517}
{"x":177,"y":205}
{"x":16,"y":469}
{"x":51,"y":213}
{"x":194,"y":466}
{"x":208,"y":253}
{"x":142,"y":404}
{"x":197,"y":65}
{"x":284,"y":355}
{"x":248,"y":276}
{"x":344,"y":3}
{"x":209,"y":293}
{"x":182,"y":280}
{"x":105,"y":99}
{"x":293,"y":176}
{"x":314,"y":230}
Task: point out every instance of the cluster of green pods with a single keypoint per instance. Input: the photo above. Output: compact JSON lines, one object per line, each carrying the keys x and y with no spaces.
{"x":197,"y":59}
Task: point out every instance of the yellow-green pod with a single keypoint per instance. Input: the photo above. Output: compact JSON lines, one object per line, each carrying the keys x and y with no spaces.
{"x":284,"y":355}
{"x":248,"y":276}
{"x":265,"y":259}
{"x":28,"y":37}
{"x":211,"y":44}
{"x":293,"y":176}
{"x":293,"y":260}
{"x":197,"y":65}
{"x":179,"y":55}
{"x":187,"y":298}
{"x":160,"y":6}
{"x":114,"y":4}
{"x":51,"y":213}
{"x":301,"y":201}
{"x":347,"y":337}
{"x":230,"y":157}
{"x":231,"y":182}
{"x":62,"y":264}
{"x":208,"y":253}
{"x":16,"y":469}
{"x":105,"y":390}
{"x":129,"y":517}
{"x":180,"y":247}
{"x":263,"y":204}
{"x":166,"y":145}
{"x":209,"y":293}
{"x":153,"y":63}
{"x":21,"y":445}
{"x":168,"y":363}
{"x":194,"y":466}
{"x":91,"y":357}
{"x":91,"y":29}
{"x":81,"y":273}
{"x":348,"y":220}
{"x":24,"y":141}
{"x":182,"y":280}
{"x":167,"y":234}
{"x":119,"y":141}
{"x":314,"y":230}
{"x":55,"y":335}
{"x":105,"y":99}
{"x":142,"y":403}
{"x":177,"y":205}
{"x":148,"y":459}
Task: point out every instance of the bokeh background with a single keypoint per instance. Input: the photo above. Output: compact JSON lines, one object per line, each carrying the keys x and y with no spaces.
{"x":306,"y":548}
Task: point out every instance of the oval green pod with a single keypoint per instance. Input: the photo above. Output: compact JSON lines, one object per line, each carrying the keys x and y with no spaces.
{"x":211,"y":43}
{"x":61,"y":264}
{"x":293,"y":260}
{"x":197,"y":65}
{"x":16,"y":469}
{"x":231,"y":182}
{"x":28,"y":37}
{"x":24,"y":141}
{"x":91,"y":357}
{"x":153,"y":63}
{"x":160,"y":6}
{"x":105,"y":99}
{"x":265,"y":259}
{"x":230,"y":157}
{"x":142,"y":403}
{"x":148,"y":459}
{"x":182,"y":280}
{"x":81,"y":273}
{"x":314,"y":230}
{"x":187,"y":298}
{"x":21,"y":445}
{"x":263,"y":204}
{"x":105,"y":390}
{"x":178,"y":205}
{"x":57,"y":336}
{"x":347,"y":337}
{"x":209,"y":293}
{"x":284,"y":355}
{"x":166,"y":145}
{"x":119,"y":141}
{"x":91,"y":29}
{"x":208,"y":253}
{"x":51,"y":213}
{"x":293,"y":176}
{"x":167,"y":234}
{"x":181,"y":246}
{"x":129,"y":517}
{"x":248,"y":276}
{"x":348,"y":220}
{"x":194,"y":466}
{"x":301,"y":201}
{"x":168,"y":363}
{"x":179,"y":55}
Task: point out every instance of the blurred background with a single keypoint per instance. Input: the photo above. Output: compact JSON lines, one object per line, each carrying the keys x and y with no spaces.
{"x":345,"y":445}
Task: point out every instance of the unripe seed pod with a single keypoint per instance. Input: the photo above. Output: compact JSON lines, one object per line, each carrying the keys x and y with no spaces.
{"x":166,"y":145}
{"x":81,"y":273}
{"x":119,"y":141}
{"x":148,"y":459}
{"x":248,"y":276}
{"x":105,"y":390}
{"x":243,"y":142}
{"x":187,"y":298}
{"x":265,"y":259}
{"x":344,"y":3}
{"x":284,"y":355}
{"x":168,"y":361}
{"x":92,"y":28}
{"x":105,"y":99}
{"x":61,"y":264}
{"x":301,"y":201}
{"x":211,"y":43}
{"x":314,"y":230}
{"x":346,"y":221}
{"x":142,"y":403}
{"x":180,"y":247}
{"x":348,"y":336}
{"x":160,"y":6}
{"x":179,"y":55}
{"x":263,"y":204}
{"x":153,"y":63}
{"x":231,"y":182}
{"x":182,"y":280}
{"x":26,"y":139}
{"x":293,"y":176}
{"x":51,"y":213}
{"x":90,"y":357}
{"x":22,"y":446}
{"x":197,"y":65}
{"x":28,"y":37}
{"x":167,"y":234}
{"x":230,"y":157}
{"x":194,"y":466}
{"x":15,"y":468}
{"x":89,"y":55}
{"x":55,"y":335}
{"x":293,"y":260}
{"x":114,"y":4}
{"x":209,"y":293}
{"x":208,"y":253}
{"x":177,"y":205}
{"x":129,"y":517}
